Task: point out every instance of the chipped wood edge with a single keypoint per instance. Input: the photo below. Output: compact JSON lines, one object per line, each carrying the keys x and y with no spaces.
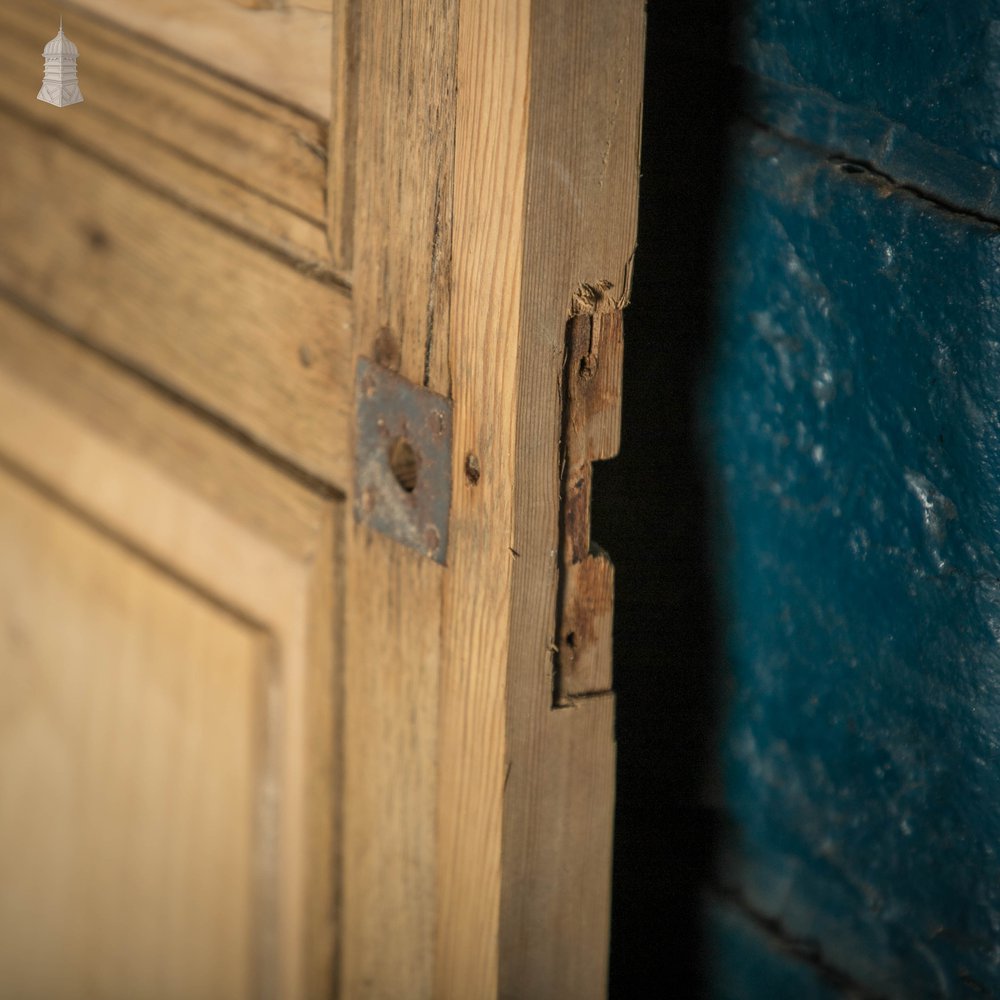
{"x":583,"y":169}
{"x":482,"y":814}
{"x":592,"y":395}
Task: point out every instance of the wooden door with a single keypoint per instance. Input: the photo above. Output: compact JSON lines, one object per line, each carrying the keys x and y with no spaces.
{"x":309,"y":332}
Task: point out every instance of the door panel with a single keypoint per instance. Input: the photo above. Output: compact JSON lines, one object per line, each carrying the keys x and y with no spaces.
{"x":254,"y":196}
{"x":181,"y":111}
{"x":238,"y":156}
{"x":132,"y":736}
{"x":284,"y":48}
{"x":180,"y":596}
{"x":208,"y":314}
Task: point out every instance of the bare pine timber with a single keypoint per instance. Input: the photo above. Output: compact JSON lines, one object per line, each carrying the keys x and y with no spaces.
{"x":192,"y":554}
{"x":480,"y":177}
{"x":282,"y":46}
{"x":78,"y":808}
{"x":487,"y":276}
{"x":403,"y":150}
{"x":216,"y":148}
{"x":132,"y":83}
{"x":450,"y":722}
{"x":341,"y":159}
{"x":586,"y":62}
{"x":209,"y":315}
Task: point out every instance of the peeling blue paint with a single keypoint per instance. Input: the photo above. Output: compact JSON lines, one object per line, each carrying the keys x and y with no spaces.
{"x":852,"y":415}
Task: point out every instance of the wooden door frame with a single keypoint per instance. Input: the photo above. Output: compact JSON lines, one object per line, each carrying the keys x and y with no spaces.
{"x":483,"y":162}
{"x":481,"y":189}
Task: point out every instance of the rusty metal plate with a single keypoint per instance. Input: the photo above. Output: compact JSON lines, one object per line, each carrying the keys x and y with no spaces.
{"x":403,"y":463}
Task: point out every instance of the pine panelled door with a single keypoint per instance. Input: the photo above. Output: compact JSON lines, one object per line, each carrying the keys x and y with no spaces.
{"x":305,"y":680}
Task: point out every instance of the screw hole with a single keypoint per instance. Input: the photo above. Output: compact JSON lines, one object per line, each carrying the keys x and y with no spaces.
{"x":387,"y":349}
{"x":97,"y":237}
{"x":404,"y":463}
{"x":472,"y":471}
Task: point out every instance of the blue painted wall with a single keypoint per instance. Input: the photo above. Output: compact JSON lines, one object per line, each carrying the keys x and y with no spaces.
{"x":851,"y":418}
{"x":930,"y":66}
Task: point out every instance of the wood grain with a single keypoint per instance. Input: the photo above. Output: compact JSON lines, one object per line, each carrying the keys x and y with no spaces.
{"x":282,"y":50}
{"x":223,"y":322}
{"x":216,"y":148}
{"x":451,"y":684}
{"x":404,"y":152}
{"x":592,"y":395}
{"x":392,"y":643}
{"x":582,"y":182}
{"x":546,"y":178}
{"x":131,"y":83}
{"x":196,"y":507}
{"x":401,"y":250}
{"x":493,"y":196}
{"x":130,"y":738}
{"x":487,"y":277}
{"x":343,"y":133}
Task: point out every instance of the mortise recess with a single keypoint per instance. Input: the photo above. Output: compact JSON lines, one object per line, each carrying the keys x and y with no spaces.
{"x":592,"y":378}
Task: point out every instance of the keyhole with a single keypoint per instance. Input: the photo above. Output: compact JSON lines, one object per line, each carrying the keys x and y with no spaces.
{"x":405,"y":463}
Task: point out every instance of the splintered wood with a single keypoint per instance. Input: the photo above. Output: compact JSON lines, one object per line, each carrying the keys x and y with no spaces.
{"x":591,"y":432}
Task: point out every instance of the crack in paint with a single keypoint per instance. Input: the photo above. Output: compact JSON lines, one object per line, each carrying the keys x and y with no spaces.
{"x":866,"y":170}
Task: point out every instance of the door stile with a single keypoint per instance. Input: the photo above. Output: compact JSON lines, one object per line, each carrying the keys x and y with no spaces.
{"x":586,"y":71}
{"x":496,"y":180}
{"x":403,"y":151}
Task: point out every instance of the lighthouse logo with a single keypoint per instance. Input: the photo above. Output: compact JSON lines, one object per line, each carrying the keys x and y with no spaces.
{"x":60,"y":86}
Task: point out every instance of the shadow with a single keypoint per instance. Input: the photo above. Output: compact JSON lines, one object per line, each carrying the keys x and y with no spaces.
{"x":650,"y":511}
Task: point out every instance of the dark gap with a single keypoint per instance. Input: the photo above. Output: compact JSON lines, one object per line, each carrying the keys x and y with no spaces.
{"x":404,"y":461}
{"x":564,"y":541}
{"x":649,"y":509}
